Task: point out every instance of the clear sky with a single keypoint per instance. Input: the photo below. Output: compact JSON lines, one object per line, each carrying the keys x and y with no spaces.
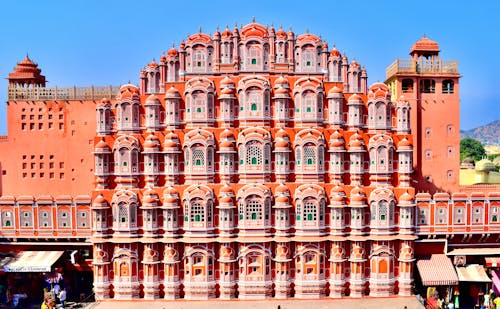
{"x":97,"y":42}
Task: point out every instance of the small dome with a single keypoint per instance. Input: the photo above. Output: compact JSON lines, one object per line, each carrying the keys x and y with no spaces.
{"x":485,"y":165}
{"x":102,"y":146}
{"x":281,"y":91}
{"x":226,"y":199}
{"x":152,"y":98}
{"x":149,"y":199}
{"x":227,"y":134}
{"x":226,"y":189}
{"x":337,"y":135}
{"x":468,"y":160}
{"x":100,"y":200}
{"x":406,"y":197}
{"x":281,"y":133}
{"x":172,"y":93}
{"x":152,"y":141}
{"x":337,"y":198}
{"x":355,"y":98}
{"x":338,"y":190}
{"x":129,"y":88}
{"x":281,"y":144}
{"x":354,"y":64}
{"x":227,"y":82}
{"x":281,"y":34}
{"x":282,"y":189}
{"x":337,"y":142}
{"x":217,"y":34}
{"x":425,"y":44}
{"x":357,"y":195}
{"x":226,"y":144}
{"x":282,"y":199}
{"x":404,"y":143}
{"x":335,"y":90}
{"x":153,"y":64}
{"x":356,"y":140}
{"x":172,"y":52}
{"x":281,"y":82}
{"x":227,"y":91}
{"x":335,"y":52}
{"x":170,"y":191}
{"x":226,"y":34}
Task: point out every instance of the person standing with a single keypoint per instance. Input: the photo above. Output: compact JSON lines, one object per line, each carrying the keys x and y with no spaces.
{"x":496,"y":302}
{"x":486,"y":301}
{"x":62,"y":297}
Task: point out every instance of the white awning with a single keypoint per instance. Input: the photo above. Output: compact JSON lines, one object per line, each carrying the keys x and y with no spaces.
{"x":472,"y":273}
{"x":474,"y":251}
{"x":33,"y":261}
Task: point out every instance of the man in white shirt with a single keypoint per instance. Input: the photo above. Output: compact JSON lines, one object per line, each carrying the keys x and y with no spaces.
{"x":62,"y":297}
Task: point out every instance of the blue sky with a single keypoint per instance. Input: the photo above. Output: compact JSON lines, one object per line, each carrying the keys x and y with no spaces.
{"x":101,"y":43}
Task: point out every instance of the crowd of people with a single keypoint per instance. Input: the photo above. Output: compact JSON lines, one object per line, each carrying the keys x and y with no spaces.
{"x":487,"y":301}
{"x":52,"y":296}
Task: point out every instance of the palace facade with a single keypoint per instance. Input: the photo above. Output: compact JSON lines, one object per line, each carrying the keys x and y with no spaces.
{"x":250,"y":164}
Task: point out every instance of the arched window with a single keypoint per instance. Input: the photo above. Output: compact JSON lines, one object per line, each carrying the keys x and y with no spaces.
{"x":308,"y":59}
{"x":253,"y":210}
{"x":198,"y":157}
{"x":380,"y":115}
{"x":382,"y":211}
{"x":448,"y":86}
{"x":254,"y":57}
{"x":310,"y":211}
{"x":309,"y":103}
{"x":280,"y":54}
{"x":197,"y":212}
{"x":254,"y":99}
{"x":407,"y":85}
{"x":199,"y":104}
{"x":309,"y":155}
{"x":427,"y":86}
{"x":199,"y":60}
{"x":122,"y":213}
{"x":254,"y":154}
{"x":126,"y":155}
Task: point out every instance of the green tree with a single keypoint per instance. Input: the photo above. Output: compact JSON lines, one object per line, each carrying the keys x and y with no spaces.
{"x":472,"y":148}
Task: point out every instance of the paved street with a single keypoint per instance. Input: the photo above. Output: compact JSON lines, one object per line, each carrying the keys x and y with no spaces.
{"x":364,"y":303}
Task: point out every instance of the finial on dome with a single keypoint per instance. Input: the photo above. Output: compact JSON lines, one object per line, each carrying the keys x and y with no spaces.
{"x":253,"y":19}
{"x":200,"y":30}
{"x":291,"y":28}
{"x":217,"y":29}
{"x":307,"y":29}
{"x":425,"y":35}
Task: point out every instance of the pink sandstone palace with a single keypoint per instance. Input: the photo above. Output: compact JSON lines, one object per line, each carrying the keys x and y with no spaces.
{"x":250,"y":164}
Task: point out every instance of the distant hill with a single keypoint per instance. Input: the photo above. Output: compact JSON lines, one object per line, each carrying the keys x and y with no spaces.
{"x":488,"y":134}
